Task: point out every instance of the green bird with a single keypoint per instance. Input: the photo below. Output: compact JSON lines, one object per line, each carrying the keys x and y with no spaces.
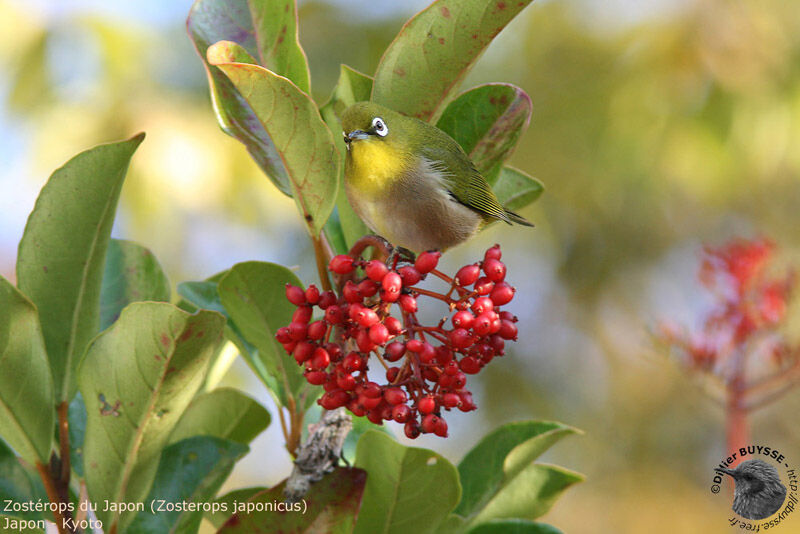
{"x":412,"y":183}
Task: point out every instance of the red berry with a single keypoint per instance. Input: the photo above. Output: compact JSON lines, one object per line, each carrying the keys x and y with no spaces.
{"x":372,"y":390}
{"x":494,"y":269}
{"x":395,"y":396}
{"x":482,"y":304}
{"x":463,"y":319}
{"x":289,"y":347}
{"x":467,"y":275}
{"x":450,"y":400}
{"x":363,"y":341}
{"x":484,"y":286}
{"x":502,"y":294}
{"x":376,"y":270}
{"x":334,"y":399}
{"x":346,"y":381}
{"x":426,"y":405}
{"x":366,"y":317}
{"x":429,"y":423}
{"x":459,"y":380}
{"x":367,"y":288}
{"x":427,"y":354}
{"x":392,"y":284}
{"x":393,"y":325}
{"x":483,"y":324}
{"x":391,"y":374}
{"x":369,"y":402}
{"x":497,"y":344}
{"x":401,"y":413}
{"x":302,"y":314}
{"x":282,"y":335}
{"x":466,"y":401}
{"x":295,"y":295}
{"x":409,"y":275}
{"x":351,"y":293}
{"x":303,"y":351}
{"x":334,"y":315}
{"x":459,"y":338}
{"x":334,"y":350}
{"x":353,"y":362}
{"x":427,"y":261}
{"x":394,"y":351}
{"x":341,"y":264}
{"x":470,"y":365}
{"x":493,"y":253}
{"x":328,"y":298}
{"x":411,"y":430}
{"x":508,"y":316}
{"x":414,"y":345}
{"x":320,"y":360}
{"x":440,"y":428}
{"x":356,"y":408}
{"x":443,"y":355}
{"x":298,"y":331}
{"x":316,"y":330}
{"x":451,"y":368}
{"x":316,"y":378}
{"x":312,"y":294}
{"x":408,"y":303}
{"x":378,"y":334}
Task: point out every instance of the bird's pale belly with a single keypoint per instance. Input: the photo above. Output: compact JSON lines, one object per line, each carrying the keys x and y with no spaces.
{"x":417,"y":220}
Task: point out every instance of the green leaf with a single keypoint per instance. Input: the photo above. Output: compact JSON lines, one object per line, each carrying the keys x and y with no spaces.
{"x":76,"y":415}
{"x":346,"y":228}
{"x":190,"y":471}
{"x":19,"y":485}
{"x":433,"y":52}
{"x":63,"y":252}
{"x":407,"y":488}
{"x":224,"y":413}
{"x":255,"y":296}
{"x":529,"y":494}
{"x":292,"y":121}
{"x":487,"y":122}
{"x":137,"y":378}
{"x":515,"y":189}
{"x":494,"y":471}
{"x":132,"y":274}
{"x":514,"y":526}
{"x":361,"y":425}
{"x":247,"y":23}
{"x":27,"y":408}
{"x":228,"y":501}
{"x":331,"y":506}
{"x":203,"y":295}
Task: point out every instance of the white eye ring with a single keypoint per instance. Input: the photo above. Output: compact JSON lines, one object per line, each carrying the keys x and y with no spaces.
{"x":379,"y":127}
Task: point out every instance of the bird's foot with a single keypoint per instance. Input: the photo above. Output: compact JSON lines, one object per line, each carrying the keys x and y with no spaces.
{"x":399,"y":254}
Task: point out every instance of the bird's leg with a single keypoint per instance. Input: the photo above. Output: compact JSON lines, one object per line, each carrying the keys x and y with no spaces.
{"x":399,"y":254}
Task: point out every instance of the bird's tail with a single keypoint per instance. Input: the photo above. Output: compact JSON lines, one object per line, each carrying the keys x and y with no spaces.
{"x":513,"y":217}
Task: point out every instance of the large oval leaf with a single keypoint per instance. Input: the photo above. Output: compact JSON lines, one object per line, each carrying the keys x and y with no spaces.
{"x":433,"y":52}
{"x":27,"y":409}
{"x":137,"y":378}
{"x":132,"y":274}
{"x":408,"y":489}
{"x":224,"y":413}
{"x":63,"y":251}
{"x":19,"y":484}
{"x":268,"y":31}
{"x":515,"y":189}
{"x":292,"y":121}
{"x":487,"y":122}
{"x":514,"y":526}
{"x":331,"y":506}
{"x":254,"y":295}
{"x":489,"y":471}
{"x":190,"y":471}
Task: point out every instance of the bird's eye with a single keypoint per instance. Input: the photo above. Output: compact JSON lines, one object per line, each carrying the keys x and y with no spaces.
{"x":379,"y":127}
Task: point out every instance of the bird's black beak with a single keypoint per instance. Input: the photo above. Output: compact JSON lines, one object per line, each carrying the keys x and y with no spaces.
{"x":730,"y":472}
{"x":357,"y":134}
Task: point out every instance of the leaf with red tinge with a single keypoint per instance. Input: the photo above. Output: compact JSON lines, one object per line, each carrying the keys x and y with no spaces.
{"x":435,"y":50}
{"x":267,"y":31}
{"x":292,"y":121}
{"x":331,"y":506}
{"x":487,"y":121}
{"x":515,"y":189}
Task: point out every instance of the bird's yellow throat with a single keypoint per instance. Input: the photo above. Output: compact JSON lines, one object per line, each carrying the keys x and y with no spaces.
{"x":375,"y":165}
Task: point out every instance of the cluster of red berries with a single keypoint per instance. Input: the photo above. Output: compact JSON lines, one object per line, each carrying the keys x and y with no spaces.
{"x":426,"y":367}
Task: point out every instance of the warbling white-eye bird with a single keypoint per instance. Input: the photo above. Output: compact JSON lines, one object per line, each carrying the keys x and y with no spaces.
{"x":412,"y":183}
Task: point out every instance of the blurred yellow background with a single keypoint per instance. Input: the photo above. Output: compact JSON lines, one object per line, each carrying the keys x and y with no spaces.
{"x":657,"y":127}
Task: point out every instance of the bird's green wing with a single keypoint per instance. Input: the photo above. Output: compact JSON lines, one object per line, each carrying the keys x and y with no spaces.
{"x":471,"y":189}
